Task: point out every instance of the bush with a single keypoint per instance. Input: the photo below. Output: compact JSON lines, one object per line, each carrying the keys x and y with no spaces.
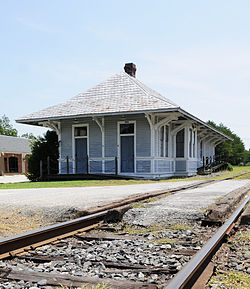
{"x":41,"y":148}
{"x":229,"y":167}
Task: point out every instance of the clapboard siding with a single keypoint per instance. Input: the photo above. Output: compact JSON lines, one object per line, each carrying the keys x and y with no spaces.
{"x":143,"y":166}
{"x":66,"y":139}
{"x":95,"y":140}
{"x":180,"y":166}
{"x":163,"y":166}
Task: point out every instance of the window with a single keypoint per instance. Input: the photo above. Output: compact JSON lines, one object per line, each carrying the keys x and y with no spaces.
{"x":163,"y":138}
{"x":180,"y":144}
{"x":127,"y":128}
{"x":81,"y":131}
{"x":13,"y":165}
{"x":191,"y":143}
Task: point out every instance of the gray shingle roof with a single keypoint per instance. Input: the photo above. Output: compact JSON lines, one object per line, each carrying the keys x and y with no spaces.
{"x":119,"y":93}
{"x":10,"y":144}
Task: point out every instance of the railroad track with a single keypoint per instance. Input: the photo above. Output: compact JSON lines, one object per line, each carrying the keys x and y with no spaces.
{"x":24,"y":248}
{"x":191,"y":275}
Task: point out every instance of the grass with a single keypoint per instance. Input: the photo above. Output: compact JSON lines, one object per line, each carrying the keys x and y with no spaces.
{"x":14,"y":221}
{"x":132,"y":230}
{"x":155,"y":228}
{"x":81,"y":183}
{"x":240,"y":240}
{"x":180,"y":226}
{"x":230,"y":280}
{"x":114,"y":182}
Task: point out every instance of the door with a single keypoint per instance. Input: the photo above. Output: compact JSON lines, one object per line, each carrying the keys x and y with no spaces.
{"x":127,"y":154}
{"x":81,"y":155}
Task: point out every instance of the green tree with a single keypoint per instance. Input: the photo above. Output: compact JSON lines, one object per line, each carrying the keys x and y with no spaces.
{"x":29,"y":136}
{"x":232,"y":152}
{"x":41,"y":148}
{"x":6,"y":128}
{"x":248,"y":157}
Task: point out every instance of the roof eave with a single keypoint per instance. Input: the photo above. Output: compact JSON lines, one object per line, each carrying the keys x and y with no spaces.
{"x":37,"y":121}
{"x":203,"y":123}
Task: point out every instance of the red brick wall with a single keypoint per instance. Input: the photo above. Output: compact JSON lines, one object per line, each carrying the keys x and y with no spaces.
{"x":19,"y":158}
{"x":20,"y":161}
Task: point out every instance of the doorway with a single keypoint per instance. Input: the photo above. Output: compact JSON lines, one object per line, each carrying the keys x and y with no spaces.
{"x":81,"y":149}
{"x":127,"y":147}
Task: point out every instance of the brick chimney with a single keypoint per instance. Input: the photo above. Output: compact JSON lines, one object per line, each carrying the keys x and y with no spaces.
{"x":130,"y":68}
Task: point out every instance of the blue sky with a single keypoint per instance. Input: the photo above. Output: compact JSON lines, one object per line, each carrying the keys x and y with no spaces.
{"x":197,"y":53}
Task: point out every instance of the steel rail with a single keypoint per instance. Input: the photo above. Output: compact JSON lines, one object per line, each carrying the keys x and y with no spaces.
{"x":16,"y":244}
{"x":187,"y":277}
{"x":20,"y":241}
{"x":25,"y":241}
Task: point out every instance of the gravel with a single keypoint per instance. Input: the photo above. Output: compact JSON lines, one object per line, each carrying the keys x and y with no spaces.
{"x":233,"y":259}
{"x":89,"y":258}
{"x":153,"y":248}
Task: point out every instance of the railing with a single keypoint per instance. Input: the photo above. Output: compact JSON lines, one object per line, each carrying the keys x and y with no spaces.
{"x":211,"y":164}
{"x":110,"y":165}
{"x":68,"y":165}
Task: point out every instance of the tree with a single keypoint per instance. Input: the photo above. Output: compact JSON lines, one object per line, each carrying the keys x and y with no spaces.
{"x":29,"y":136}
{"x":248,"y":157}
{"x":6,"y":128}
{"x":41,"y":148}
{"x":232,"y":152}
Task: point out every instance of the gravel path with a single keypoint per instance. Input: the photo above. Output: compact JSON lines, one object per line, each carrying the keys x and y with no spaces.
{"x":81,"y":198}
{"x":60,"y":204}
{"x":182,"y":206}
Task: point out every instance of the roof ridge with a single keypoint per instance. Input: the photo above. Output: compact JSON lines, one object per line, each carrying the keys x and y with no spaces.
{"x":99,"y":84}
{"x":131,"y":78}
{"x":16,"y":137}
{"x":139,"y":83}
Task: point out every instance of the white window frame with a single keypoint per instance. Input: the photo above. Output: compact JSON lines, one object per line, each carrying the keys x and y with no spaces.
{"x":119,"y":135}
{"x":77,"y":137}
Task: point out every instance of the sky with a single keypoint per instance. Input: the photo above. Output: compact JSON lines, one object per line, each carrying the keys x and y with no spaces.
{"x":196,"y":53}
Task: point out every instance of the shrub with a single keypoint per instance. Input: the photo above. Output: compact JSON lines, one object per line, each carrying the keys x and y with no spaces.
{"x":229,"y":167}
{"x":41,"y":148}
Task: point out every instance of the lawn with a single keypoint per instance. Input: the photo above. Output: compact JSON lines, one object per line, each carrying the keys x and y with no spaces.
{"x":115,"y":182}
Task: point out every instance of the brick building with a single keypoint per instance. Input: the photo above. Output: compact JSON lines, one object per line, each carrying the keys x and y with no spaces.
{"x":14,"y":152}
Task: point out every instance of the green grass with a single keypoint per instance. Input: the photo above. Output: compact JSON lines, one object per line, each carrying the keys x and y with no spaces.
{"x":133,"y":230}
{"x":230,"y":280}
{"x":80,"y":183}
{"x":180,"y":226}
{"x":99,"y":183}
